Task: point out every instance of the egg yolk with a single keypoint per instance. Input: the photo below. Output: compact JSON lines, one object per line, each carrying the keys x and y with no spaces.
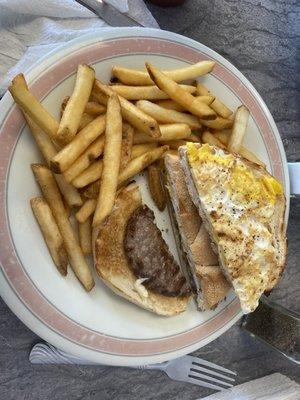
{"x":206,"y":153}
{"x":242,"y":181}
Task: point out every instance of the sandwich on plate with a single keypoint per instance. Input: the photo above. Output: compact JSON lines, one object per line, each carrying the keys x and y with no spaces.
{"x":242,"y":207}
{"x":207,"y":281}
{"x":132,"y":258}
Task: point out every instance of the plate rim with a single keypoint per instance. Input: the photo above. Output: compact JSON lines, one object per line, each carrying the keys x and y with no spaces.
{"x":50,"y":58}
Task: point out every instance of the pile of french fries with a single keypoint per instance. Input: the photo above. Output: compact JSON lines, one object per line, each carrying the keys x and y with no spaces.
{"x":109,"y":133}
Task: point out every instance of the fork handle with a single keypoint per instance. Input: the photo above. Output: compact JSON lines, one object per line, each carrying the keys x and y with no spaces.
{"x":158,"y":366}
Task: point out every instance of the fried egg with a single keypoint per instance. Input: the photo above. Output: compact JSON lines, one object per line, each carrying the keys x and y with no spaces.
{"x":239,"y":201}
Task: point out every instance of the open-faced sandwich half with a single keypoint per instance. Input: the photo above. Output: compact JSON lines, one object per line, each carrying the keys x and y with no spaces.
{"x":132,"y":258}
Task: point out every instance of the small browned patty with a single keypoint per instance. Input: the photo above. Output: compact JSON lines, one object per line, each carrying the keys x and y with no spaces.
{"x":149,"y":257}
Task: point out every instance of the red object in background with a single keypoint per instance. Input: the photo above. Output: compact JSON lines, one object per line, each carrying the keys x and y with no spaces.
{"x":167,"y":3}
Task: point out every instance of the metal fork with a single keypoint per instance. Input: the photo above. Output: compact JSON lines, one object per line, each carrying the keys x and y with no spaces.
{"x":187,"y":368}
{"x":195,"y":370}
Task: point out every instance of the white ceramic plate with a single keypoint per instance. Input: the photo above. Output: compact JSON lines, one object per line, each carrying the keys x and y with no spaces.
{"x":101,"y":326}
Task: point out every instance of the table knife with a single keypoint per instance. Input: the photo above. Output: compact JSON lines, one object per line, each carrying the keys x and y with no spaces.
{"x":108,"y":13}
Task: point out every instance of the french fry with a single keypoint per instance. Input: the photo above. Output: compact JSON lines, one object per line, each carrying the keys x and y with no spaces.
{"x":48,"y":150}
{"x":51,"y":193}
{"x":51,"y":233}
{"x":175,"y":144}
{"x":176,"y":93}
{"x":211,"y":139}
{"x":111,"y":160}
{"x":75,"y":106}
{"x":86,"y":210}
{"x":98,"y":96}
{"x":91,"y":153}
{"x":156,"y":188}
{"x":238,"y":129}
{"x":85,"y":236}
{"x":126,"y":149}
{"x":139,"y":149}
{"x":85,"y":120}
{"x":194,"y":138}
{"x":89,"y":206}
{"x":91,"y":108}
{"x":67,"y":207}
{"x":136,"y":165}
{"x":164,"y":116}
{"x":63,"y":105}
{"x":170,"y":105}
{"x":218,"y":123}
{"x":145,"y":156}
{"x":68,"y":191}
{"x":92,"y":190}
{"x":65,"y":157}
{"x":244,"y":152}
{"x":133,"y":77}
{"x":168,"y":132}
{"x":44,"y":143}
{"x":216,"y":105}
{"x":145,"y":92}
{"x":31,"y":106}
{"x":89,"y":175}
{"x":94,"y":108}
{"x":223,"y":135}
{"x":206,"y":99}
{"x":130,"y":112}
{"x":171,"y":152}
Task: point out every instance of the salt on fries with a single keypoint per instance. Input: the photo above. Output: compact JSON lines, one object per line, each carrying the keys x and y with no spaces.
{"x":145,"y":116}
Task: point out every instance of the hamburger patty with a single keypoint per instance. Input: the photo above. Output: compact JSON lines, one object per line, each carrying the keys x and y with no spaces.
{"x":149,"y":257}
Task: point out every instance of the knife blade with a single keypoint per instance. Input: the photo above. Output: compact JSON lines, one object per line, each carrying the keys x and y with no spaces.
{"x":108,"y":13}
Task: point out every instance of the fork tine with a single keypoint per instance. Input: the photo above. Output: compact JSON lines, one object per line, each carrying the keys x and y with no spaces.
{"x":201,"y":362}
{"x":211,"y":372}
{"x":199,"y":382}
{"x":209,"y":378}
